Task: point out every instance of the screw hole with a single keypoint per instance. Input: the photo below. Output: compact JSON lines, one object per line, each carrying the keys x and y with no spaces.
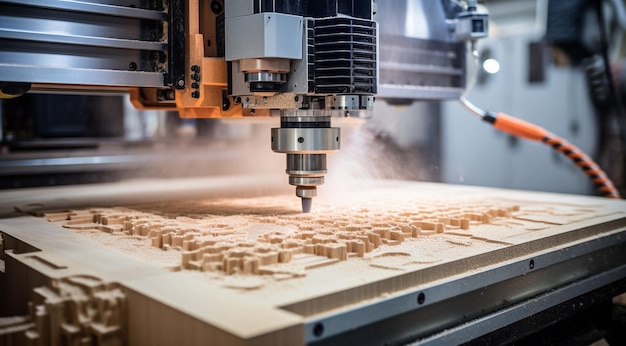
{"x":318,"y":330}
{"x":421,"y":298}
{"x":531,"y":264}
{"x":272,"y":139}
{"x":337,"y":139}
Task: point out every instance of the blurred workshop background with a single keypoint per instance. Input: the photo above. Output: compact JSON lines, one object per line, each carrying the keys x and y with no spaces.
{"x":544,"y":61}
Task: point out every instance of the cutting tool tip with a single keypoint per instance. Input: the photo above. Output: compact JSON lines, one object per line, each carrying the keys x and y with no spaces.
{"x":306,"y":204}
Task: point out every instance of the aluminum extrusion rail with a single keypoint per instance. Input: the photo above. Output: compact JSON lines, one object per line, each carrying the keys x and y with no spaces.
{"x":469,"y":306}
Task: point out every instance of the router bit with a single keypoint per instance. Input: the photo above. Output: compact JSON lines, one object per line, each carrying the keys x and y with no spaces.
{"x":305,"y":139}
{"x":306,"y":204}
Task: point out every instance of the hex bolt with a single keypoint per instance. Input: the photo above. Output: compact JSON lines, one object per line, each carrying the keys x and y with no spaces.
{"x":300,"y":140}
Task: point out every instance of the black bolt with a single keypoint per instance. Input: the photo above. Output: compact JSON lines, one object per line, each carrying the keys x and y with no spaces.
{"x":195,"y":77}
{"x":195,"y":68}
{"x":247,"y":99}
{"x":225,"y":103}
{"x":237,"y":100}
{"x":195,"y":94}
{"x":300,"y":140}
{"x":132,"y":66}
{"x":318,"y":330}
{"x":421,"y":298}
{"x":216,"y":7}
{"x":337,"y":139}
{"x":531,"y":264}
{"x":297,"y":98}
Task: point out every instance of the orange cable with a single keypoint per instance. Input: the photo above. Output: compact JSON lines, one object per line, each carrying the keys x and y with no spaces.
{"x":521,"y":128}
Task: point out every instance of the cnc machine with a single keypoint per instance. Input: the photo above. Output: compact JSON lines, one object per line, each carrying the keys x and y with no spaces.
{"x":303,"y":61}
{"x":228,"y":259}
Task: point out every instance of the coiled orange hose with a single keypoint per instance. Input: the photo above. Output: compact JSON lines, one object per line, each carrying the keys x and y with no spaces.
{"x":587,"y":165}
{"x":524,"y":129}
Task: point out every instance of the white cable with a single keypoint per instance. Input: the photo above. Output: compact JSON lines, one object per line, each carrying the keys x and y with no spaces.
{"x":471,"y":82}
{"x":478,"y":112}
{"x":473,"y":76}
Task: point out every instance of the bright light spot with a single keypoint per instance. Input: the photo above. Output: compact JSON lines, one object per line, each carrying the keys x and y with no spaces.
{"x":491,"y":66}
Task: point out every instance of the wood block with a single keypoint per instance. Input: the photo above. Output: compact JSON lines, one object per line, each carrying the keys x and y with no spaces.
{"x":254,"y":270}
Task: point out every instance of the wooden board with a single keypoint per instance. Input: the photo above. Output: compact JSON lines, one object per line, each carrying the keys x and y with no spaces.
{"x":229,"y":259}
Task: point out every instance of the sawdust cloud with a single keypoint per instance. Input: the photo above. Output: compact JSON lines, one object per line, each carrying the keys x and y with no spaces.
{"x":369,"y":151}
{"x":373,"y":151}
{"x":235,"y":147}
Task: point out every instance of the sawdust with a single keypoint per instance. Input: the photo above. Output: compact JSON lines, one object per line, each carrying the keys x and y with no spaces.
{"x":240,"y":237}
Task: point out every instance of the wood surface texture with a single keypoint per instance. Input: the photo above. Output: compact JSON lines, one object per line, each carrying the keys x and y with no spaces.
{"x":232,"y":260}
